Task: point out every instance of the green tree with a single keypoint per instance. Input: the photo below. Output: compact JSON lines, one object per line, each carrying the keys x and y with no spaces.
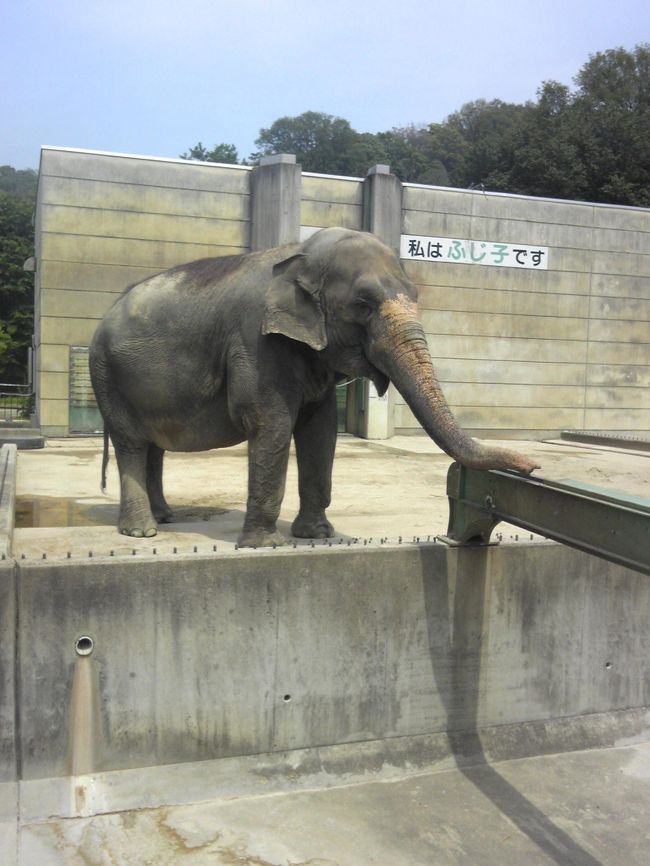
{"x":330,"y":145}
{"x":364,"y":151}
{"x":21,"y":182}
{"x":612,"y":122}
{"x":406,"y":153}
{"x":489,"y":131}
{"x":591,"y":143}
{"x":425,"y":154}
{"x":226,"y":153}
{"x":547,"y":158}
{"x":321,"y":142}
{"x":17,"y":196}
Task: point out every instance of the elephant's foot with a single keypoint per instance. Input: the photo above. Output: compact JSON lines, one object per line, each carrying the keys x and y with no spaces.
{"x":139,"y":532}
{"x":163,"y":515}
{"x":305,"y":526}
{"x":260,"y":538}
{"x":137,"y":525}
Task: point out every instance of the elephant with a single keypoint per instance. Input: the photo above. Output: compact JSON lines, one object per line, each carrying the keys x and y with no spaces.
{"x":250,"y":347}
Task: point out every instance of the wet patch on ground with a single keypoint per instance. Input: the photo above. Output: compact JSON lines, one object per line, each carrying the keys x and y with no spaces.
{"x":52,"y":511}
{"x":62,"y":511}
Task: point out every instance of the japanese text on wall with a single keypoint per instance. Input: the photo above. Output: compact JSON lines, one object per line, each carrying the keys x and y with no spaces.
{"x":426,"y":249}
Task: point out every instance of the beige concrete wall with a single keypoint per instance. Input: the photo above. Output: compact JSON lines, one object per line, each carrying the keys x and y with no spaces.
{"x":525,"y":352}
{"x":519,"y":352}
{"x":331,"y":201}
{"x":369,"y":645}
{"x":106,"y":221}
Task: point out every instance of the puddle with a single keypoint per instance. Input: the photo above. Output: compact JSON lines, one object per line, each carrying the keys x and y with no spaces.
{"x":54,"y":511}
{"x":60,"y":511}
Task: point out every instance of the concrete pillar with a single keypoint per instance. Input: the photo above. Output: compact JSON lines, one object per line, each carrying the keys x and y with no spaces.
{"x":275,"y":201}
{"x":382,"y":215}
{"x":382,"y":205}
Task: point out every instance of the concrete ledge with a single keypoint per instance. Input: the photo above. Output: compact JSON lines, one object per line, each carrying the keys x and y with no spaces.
{"x":9,"y":844}
{"x":318,"y":768}
{"x":22,"y":432}
{"x":22,"y":437}
{"x":614,"y":440}
{"x":8,"y":752}
{"x":7,"y":497}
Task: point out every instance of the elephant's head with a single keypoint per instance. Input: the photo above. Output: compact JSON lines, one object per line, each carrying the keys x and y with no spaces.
{"x":345,"y":294}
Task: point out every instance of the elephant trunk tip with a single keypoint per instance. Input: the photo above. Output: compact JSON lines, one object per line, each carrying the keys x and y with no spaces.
{"x":502,"y":458}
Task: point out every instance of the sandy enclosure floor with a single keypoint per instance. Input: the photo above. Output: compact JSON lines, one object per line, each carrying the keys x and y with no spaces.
{"x":381,"y":489}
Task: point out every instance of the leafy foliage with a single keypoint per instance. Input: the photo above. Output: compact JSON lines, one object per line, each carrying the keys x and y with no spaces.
{"x":226,"y":153}
{"x":612,"y":123}
{"x":320,"y":142}
{"x":17,"y":196}
{"x":589,"y":143}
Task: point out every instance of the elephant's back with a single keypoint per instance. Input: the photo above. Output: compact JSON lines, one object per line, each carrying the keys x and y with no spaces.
{"x":204,"y":273}
{"x":160,"y":305}
{"x":193,"y":308}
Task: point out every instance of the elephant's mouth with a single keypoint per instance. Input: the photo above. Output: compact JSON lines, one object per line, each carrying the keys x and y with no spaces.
{"x":356,"y":364}
{"x":379,"y":380}
{"x":367,"y":371}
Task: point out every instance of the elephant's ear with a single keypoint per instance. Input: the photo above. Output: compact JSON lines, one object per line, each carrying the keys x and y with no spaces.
{"x":293,"y":306}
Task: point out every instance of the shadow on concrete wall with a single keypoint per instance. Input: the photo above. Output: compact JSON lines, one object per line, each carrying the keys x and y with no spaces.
{"x":465,"y":593}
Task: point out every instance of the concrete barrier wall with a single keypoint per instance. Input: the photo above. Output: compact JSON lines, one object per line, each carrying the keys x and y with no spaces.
{"x":199,"y":658}
{"x":8,"y":763}
{"x":535,"y":351}
{"x":331,"y":201}
{"x":520,"y":352}
{"x":106,"y":221}
{"x":8,"y":467}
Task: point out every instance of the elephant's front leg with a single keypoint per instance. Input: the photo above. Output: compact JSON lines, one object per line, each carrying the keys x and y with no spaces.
{"x":315,"y":438}
{"x":268,"y":456}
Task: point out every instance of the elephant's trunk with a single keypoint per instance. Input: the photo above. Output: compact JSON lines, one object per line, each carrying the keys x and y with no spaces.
{"x":401,"y":352}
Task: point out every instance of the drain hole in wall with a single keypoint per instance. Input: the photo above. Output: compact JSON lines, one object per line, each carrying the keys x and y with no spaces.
{"x":608,"y":665}
{"x":286,"y":698}
{"x":84,"y":645}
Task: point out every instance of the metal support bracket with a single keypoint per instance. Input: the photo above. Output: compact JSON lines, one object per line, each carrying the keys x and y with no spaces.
{"x":604,"y":523}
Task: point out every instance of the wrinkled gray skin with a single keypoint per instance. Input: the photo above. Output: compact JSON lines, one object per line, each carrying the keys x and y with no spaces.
{"x":250,"y":347}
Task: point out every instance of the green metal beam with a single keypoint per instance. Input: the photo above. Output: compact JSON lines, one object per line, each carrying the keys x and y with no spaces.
{"x":608,"y":524}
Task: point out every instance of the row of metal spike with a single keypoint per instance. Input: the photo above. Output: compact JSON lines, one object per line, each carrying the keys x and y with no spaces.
{"x":293,"y":545}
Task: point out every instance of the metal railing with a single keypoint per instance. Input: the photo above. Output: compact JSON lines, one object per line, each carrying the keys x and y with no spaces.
{"x":16,"y":402}
{"x":605,"y":523}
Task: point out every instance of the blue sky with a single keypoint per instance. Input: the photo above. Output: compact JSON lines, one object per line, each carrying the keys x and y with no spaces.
{"x":154,"y":77}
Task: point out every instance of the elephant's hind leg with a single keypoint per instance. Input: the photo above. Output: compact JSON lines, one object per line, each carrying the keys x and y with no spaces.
{"x":159,"y":507}
{"x":136,"y":518}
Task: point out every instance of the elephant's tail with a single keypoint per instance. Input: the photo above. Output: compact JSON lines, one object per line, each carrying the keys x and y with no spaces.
{"x":105,"y":459}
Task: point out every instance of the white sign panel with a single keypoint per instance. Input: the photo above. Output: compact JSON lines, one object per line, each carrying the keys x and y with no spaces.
{"x":466,"y":252}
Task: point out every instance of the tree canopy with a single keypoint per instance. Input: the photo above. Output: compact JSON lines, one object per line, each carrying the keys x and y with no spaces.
{"x":226,"y":153}
{"x":320,"y":142}
{"x":589,"y":142}
{"x":17,"y":197}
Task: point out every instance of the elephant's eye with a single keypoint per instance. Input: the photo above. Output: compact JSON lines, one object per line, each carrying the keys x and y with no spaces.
{"x":363,"y":304}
